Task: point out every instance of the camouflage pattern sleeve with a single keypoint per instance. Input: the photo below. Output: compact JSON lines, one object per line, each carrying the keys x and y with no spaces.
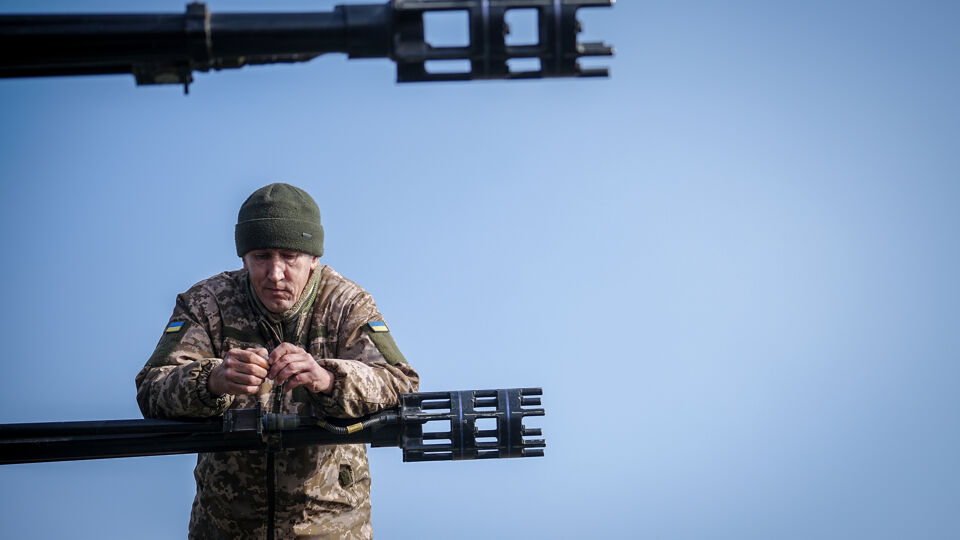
{"x":173,"y":383}
{"x":369,"y":371}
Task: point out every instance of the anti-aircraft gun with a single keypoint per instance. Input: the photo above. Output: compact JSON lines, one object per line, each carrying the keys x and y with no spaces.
{"x":168,"y":48}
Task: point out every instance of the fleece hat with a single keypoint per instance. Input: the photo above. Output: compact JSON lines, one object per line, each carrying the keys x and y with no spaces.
{"x":279,"y":216}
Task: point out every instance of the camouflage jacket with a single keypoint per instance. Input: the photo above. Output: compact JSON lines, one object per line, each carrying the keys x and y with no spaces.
{"x":321,"y":491}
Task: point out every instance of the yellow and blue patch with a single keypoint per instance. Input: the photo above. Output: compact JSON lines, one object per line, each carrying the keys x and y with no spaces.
{"x":378,"y":326}
{"x":173,"y":327}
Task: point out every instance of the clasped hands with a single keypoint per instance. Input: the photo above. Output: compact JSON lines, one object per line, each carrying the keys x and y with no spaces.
{"x":244,"y":370}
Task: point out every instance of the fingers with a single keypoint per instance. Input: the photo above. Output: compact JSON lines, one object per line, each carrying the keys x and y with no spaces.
{"x":283,"y":356}
{"x":298,"y":368}
{"x":246,"y":368}
{"x":224,"y":380}
{"x":283,"y":350}
{"x":288,"y":367}
{"x":317,"y":382}
{"x":257,"y":357}
{"x":242,"y":371}
{"x":243,"y":379}
{"x":299,"y":379}
{"x":240,"y":389}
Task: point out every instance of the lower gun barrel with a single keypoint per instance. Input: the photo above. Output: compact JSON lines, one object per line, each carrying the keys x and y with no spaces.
{"x":253,"y":429}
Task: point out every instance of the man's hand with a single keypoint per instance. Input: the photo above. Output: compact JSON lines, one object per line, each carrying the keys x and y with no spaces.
{"x":296,"y":367}
{"x":241,"y":372}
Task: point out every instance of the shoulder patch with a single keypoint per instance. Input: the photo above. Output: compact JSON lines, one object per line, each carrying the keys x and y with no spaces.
{"x":378,"y":326}
{"x":173,"y":327}
{"x":380,"y":335}
{"x":169,"y":341}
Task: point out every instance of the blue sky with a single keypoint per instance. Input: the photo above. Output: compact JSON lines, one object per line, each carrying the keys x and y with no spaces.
{"x":732,"y":267}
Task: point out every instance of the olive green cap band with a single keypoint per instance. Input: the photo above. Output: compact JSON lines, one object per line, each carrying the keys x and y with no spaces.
{"x":274,"y":233}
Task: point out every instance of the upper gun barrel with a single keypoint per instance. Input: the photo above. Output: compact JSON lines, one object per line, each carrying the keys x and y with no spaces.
{"x":168,"y":48}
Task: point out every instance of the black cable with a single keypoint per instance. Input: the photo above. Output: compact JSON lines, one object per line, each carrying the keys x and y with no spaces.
{"x":387,"y":417}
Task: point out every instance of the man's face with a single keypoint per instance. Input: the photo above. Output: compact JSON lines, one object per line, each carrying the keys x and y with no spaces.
{"x":278,"y":276}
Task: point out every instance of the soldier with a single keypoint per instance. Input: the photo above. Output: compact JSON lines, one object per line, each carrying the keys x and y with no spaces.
{"x":297,"y":338}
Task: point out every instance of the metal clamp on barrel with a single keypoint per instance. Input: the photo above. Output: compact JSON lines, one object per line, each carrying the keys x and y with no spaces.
{"x":268,"y":426}
{"x":243,"y":420}
{"x":452,"y":432}
{"x":178,"y":69}
{"x":557,"y":47}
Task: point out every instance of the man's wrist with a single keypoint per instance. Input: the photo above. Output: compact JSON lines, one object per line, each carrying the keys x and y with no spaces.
{"x":211,"y":381}
{"x":204,"y":390}
{"x":330,"y":380}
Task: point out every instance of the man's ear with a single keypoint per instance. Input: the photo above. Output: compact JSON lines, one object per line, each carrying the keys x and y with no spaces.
{"x":313,"y":265}
{"x":244,"y":259}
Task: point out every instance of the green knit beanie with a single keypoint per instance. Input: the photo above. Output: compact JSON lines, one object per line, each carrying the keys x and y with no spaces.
{"x":279,"y":216}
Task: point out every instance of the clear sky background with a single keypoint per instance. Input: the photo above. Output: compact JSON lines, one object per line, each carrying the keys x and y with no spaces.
{"x":733,"y":267}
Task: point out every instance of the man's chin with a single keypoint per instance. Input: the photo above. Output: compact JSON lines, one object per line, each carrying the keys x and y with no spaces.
{"x":278,"y":307}
{"x":277,"y":303}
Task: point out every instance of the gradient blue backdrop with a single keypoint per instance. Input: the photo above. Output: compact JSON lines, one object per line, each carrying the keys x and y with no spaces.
{"x":733,"y":268}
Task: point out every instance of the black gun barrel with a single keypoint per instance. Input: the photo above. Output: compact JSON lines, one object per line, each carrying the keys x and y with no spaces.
{"x":168,"y":48}
{"x":35,"y":41}
{"x":254,"y":429}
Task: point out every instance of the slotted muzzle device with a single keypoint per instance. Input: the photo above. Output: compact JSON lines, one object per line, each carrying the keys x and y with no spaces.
{"x":475,"y":424}
{"x":557,"y":48}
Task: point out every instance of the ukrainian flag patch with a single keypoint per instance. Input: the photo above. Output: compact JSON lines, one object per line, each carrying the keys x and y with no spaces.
{"x":378,"y":326}
{"x":173,"y":327}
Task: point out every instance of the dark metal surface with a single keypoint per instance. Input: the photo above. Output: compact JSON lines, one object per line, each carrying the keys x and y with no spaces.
{"x":168,"y":48}
{"x":489,"y":55}
{"x":252,"y":429}
{"x":451,"y":420}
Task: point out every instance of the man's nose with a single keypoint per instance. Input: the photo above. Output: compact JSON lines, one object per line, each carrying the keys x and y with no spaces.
{"x":275,"y":272}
